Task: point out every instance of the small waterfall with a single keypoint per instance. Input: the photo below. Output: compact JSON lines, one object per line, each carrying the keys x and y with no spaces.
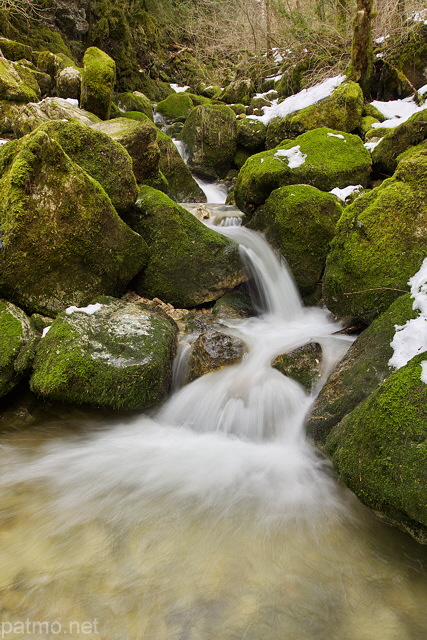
{"x":215,"y":193}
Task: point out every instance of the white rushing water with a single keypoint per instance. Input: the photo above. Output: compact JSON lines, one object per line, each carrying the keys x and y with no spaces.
{"x":211,"y":519}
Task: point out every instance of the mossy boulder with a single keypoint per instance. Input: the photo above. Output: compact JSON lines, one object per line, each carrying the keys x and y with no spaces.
{"x":236,"y":304}
{"x":380,"y":243}
{"x":188,"y":263}
{"x":398,"y":140}
{"x":410,"y":53}
{"x":211,"y":351}
{"x":299,"y":221}
{"x":17,"y":83}
{"x":181,"y":185}
{"x":69,"y":83}
{"x":341,"y":111}
{"x":363,"y":368}
{"x":177,"y":106}
{"x":134,"y":101}
{"x":251,"y":134}
{"x":303,"y":365}
{"x":15,"y":51}
{"x":17,"y":344}
{"x":380,"y":449}
{"x":139,"y":138}
{"x":322,"y":158}
{"x":28,"y":117}
{"x":238,"y":91}
{"x":210,"y":133}
{"x":98,"y":78}
{"x":54,"y":212}
{"x":97,"y":153}
{"x":118,"y":356}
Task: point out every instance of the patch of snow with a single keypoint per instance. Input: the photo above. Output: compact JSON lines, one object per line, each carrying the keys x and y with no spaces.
{"x":379,"y":55}
{"x":304,"y":98}
{"x":275,"y":78}
{"x":422,"y":90}
{"x":424,"y":371}
{"x":177,"y":88}
{"x":347,"y":191}
{"x":381,"y":39}
{"x":89,"y":310}
{"x":45,"y":330}
{"x":3,"y":141}
{"x":396,"y":112}
{"x":337,"y":135}
{"x":277,"y":56}
{"x":72,"y":101}
{"x":419,"y":16}
{"x":371,"y":145}
{"x":294,"y":156}
{"x":410,"y":339}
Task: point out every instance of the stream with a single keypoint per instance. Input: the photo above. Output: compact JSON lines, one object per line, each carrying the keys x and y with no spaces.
{"x":209,"y":518}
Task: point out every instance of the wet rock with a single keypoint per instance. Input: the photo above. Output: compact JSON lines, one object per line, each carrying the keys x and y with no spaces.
{"x":213,"y":350}
{"x":303,"y":365}
{"x":118,"y":355}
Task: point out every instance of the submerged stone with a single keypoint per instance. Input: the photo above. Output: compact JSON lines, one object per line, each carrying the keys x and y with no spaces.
{"x":53,"y":211}
{"x":380,"y":449}
{"x":17,"y":343}
{"x":323,"y":158}
{"x":118,"y":355}
{"x":188,"y":263}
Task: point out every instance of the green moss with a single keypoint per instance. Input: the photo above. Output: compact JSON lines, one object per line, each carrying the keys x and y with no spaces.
{"x":299,"y":221}
{"x":15,"y":50}
{"x":17,"y":84}
{"x":380,"y":243}
{"x":302,"y":364}
{"x":366,"y":124}
{"x":189,"y":264}
{"x":175,"y":107}
{"x":341,"y":111}
{"x":251,"y":134}
{"x":98,"y":78}
{"x":134,"y":102}
{"x":104,"y":159}
{"x":16,"y":345}
{"x":54,"y":211}
{"x":380,"y":448}
{"x":333,"y":159}
{"x":360,"y":372}
{"x":92,"y":360}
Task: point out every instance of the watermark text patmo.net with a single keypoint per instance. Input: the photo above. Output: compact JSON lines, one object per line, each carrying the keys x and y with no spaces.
{"x":47,"y":628}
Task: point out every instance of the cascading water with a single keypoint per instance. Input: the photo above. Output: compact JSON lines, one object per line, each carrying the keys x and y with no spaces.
{"x":213,"y":518}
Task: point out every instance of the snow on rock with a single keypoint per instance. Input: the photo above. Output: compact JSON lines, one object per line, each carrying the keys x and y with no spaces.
{"x":294,"y":156}
{"x":89,"y":310}
{"x":45,"y":330}
{"x":342,"y":194}
{"x":304,"y":98}
{"x":177,"y":88}
{"x":410,"y":339}
{"x":396,"y":112}
{"x":371,"y":145}
{"x":337,"y":135}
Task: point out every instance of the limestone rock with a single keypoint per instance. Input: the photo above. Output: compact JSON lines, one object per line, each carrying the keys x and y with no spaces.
{"x":322,"y":158}
{"x":68,"y":83}
{"x":99,"y":75}
{"x":17,"y":83}
{"x":53,"y":211}
{"x":118,"y":356}
{"x":139,"y":138}
{"x":188,"y":264}
{"x":28,"y":117}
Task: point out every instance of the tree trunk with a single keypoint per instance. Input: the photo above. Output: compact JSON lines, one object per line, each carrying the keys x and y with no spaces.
{"x":362,"y":60}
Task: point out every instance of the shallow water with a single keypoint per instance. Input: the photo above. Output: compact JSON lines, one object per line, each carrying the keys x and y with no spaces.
{"x":210,"y":519}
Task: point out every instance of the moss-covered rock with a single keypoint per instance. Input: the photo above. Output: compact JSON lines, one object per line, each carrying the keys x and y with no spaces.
{"x":380,"y":449}
{"x":251,"y":134}
{"x":15,"y":50}
{"x":211,"y":351}
{"x":120,"y":356}
{"x":233,"y":305}
{"x":210,"y":133}
{"x":299,"y":221}
{"x":28,"y":117}
{"x":97,"y":153}
{"x":139,"y":138}
{"x":360,"y":372}
{"x":69,"y":83}
{"x":302,"y":364}
{"x":410,"y":53}
{"x":380,"y":243}
{"x":17,"y":83}
{"x":181,"y":185}
{"x":177,"y":106}
{"x":341,"y":111}
{"x":188,"y":264}
{"x":240,"y":90}
{"x":17,"y":343}
{"x":390,"y":83}
{"x":323,"y":158}
{"x":371,"y":110}
{"x":366,"y":124}
{"x":134,"y":101}
{"x":395,"y":142}
{"x":53,"y":211}
{"x":98,"y":78}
